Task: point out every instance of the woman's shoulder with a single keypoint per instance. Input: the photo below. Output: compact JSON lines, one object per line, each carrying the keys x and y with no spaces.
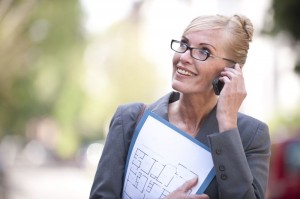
{"x":247,"y":120}
{"x":129,"y":111}
{"x":252,"y":130}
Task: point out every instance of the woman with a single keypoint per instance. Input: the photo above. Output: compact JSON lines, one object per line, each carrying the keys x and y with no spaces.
{"x":211,"y":47}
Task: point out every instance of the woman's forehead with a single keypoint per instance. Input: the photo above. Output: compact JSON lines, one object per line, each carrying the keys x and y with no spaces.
{"x":215,"y":39}
{"x":212,"y":37}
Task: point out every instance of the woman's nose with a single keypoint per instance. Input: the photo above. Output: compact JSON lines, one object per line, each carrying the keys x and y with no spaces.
{"x":186,"y":56}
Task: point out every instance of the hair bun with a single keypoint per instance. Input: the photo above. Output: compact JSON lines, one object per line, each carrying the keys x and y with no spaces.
{"x":246,"y":25}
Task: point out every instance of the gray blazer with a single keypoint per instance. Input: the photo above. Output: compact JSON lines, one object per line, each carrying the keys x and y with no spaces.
{"x":241,"y":156}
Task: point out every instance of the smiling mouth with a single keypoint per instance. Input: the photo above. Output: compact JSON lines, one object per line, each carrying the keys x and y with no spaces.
{"x":184,"y":72}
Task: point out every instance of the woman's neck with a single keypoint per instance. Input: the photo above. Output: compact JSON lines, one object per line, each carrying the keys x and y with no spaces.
{"x":189,"y":112}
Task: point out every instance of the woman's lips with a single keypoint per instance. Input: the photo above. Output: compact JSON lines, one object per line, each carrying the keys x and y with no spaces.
{"x":185,"y":72}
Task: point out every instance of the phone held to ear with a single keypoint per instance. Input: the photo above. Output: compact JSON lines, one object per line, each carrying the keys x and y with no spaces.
{"x":218,"y":84}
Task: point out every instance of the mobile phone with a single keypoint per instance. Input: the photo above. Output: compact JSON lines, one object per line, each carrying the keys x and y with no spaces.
{"x":218,"y":84}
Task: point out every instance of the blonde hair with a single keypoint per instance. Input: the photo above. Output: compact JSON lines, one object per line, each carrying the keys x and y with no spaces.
{"x":238,"y":31}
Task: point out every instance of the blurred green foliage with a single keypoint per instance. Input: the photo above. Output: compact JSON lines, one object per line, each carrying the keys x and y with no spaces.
{"x":286,"y":15}
{"x":42,"y":47}
{"x":286,"y":122}
{"x":122,"y":70}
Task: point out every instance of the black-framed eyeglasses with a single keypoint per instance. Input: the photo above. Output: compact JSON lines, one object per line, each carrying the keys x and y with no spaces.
{"x":196,"y":53}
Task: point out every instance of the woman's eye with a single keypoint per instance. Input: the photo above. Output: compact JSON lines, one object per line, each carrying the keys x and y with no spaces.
{"x":203,"y":52}
{"x":183,"y":44}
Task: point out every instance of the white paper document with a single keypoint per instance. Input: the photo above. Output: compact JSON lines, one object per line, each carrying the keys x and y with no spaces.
{"x":161,"y":158}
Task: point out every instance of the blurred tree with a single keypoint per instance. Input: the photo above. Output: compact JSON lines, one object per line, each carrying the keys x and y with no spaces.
{"x":41,"y":45}
{"x":42,"y":83}
{"x":14,"y":62}
{"x":286,"y":15}
{"x":122,"y":70}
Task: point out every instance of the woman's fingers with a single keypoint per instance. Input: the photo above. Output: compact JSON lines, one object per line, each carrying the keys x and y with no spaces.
{"x":188,"y":185}
{"x":183,"y":192}
{"x":202,"y":196}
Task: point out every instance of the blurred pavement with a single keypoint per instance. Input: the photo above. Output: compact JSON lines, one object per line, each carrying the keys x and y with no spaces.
{"x":31,"y":171}
{"x":48,"y":182}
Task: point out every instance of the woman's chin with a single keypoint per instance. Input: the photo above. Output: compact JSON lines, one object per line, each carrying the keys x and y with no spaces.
{"x":180,"y":87}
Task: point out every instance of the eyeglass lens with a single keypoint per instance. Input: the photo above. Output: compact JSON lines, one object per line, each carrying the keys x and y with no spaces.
{"x":196,"y":53}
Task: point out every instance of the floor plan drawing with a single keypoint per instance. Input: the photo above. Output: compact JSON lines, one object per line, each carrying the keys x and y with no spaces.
{"x":161,"y":158}
{"x":151,"y":177}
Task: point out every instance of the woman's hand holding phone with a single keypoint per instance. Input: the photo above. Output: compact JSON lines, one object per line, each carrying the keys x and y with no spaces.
{"x":231,"y":97}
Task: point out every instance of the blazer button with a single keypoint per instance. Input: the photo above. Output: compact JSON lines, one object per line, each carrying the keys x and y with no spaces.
{"x":218,"y":151}
{"x":224,"y":177}
{"x":222,"y":168}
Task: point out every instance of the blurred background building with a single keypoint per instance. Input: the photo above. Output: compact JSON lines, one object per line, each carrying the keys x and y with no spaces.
{"x":67,"y":65}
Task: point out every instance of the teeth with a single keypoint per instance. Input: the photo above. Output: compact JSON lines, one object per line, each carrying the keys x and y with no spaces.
{"x":184,"y":72}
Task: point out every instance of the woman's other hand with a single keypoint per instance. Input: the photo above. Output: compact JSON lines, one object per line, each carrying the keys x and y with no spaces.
{"x":182,"y":192}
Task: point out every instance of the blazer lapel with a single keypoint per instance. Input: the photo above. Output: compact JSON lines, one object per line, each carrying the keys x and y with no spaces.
{"x":210,"y":125}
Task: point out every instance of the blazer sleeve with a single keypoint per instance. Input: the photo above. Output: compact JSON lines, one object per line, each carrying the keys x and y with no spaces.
{"x":108,"y":181}
{"x":241,"y":161}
